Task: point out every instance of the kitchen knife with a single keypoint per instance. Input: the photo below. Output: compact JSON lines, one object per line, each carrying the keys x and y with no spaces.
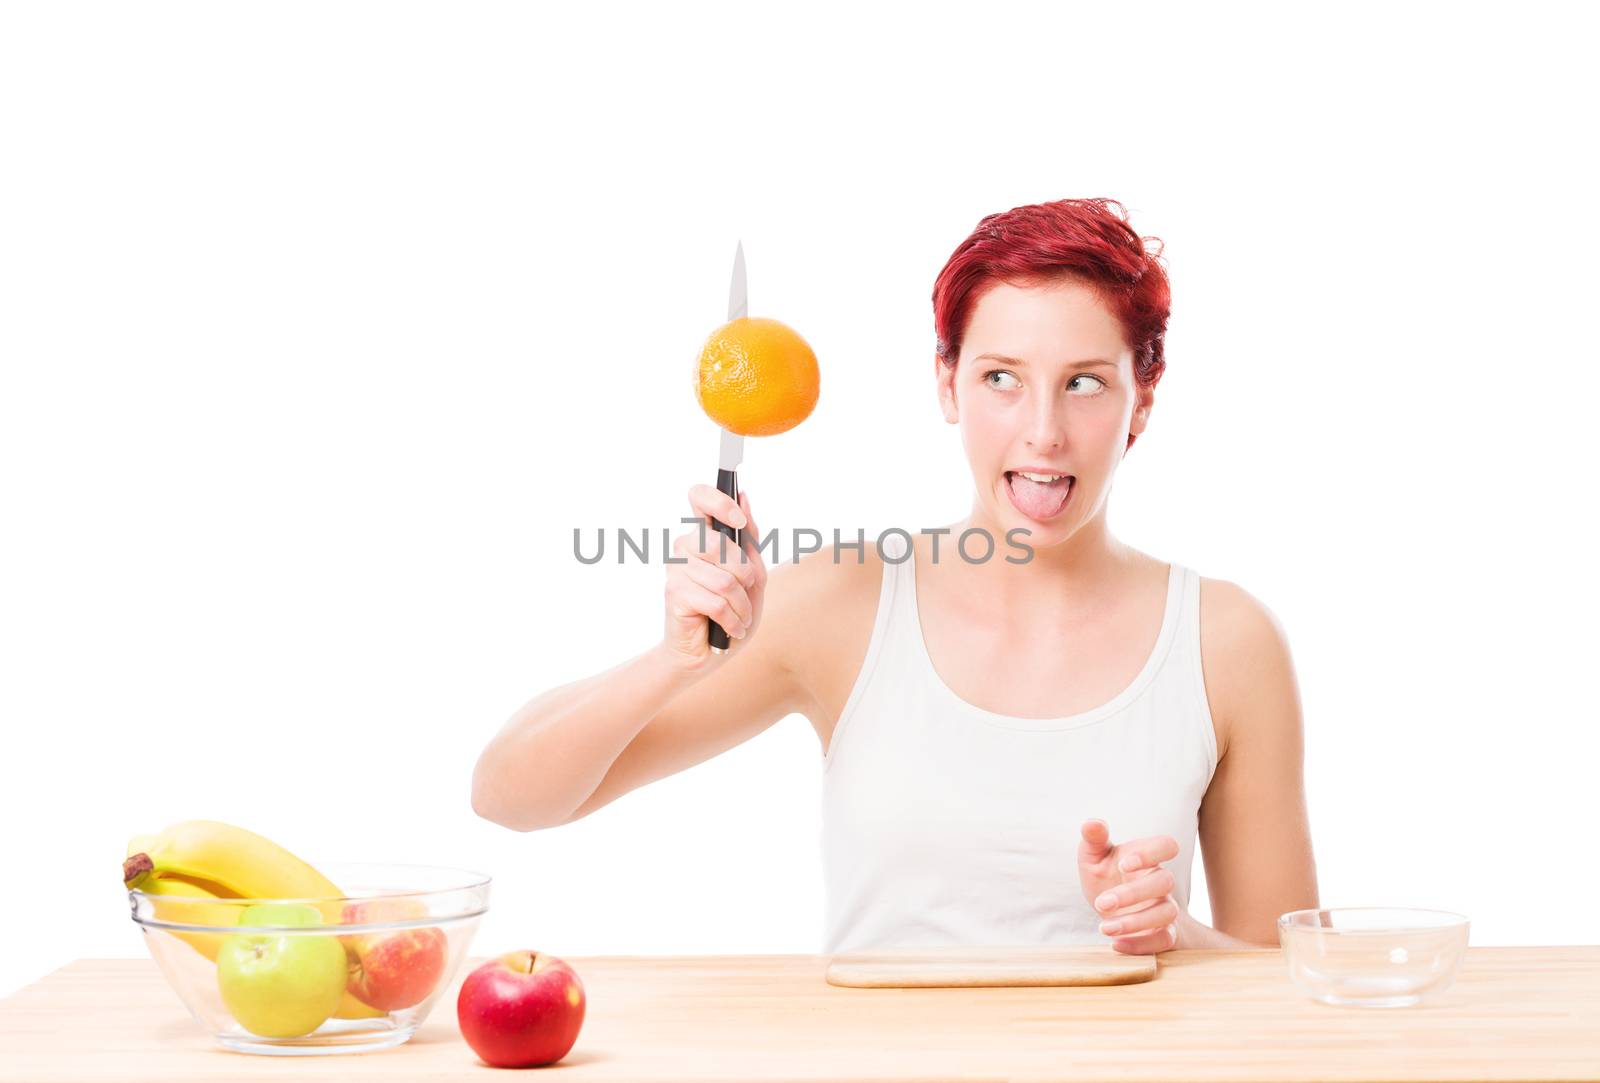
{"x":731,"y":452}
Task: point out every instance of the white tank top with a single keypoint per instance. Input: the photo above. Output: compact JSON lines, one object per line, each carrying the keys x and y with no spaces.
{"x":944,"y":823}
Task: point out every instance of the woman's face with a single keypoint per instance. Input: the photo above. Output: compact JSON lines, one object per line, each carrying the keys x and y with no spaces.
{"x":1044,"y":384}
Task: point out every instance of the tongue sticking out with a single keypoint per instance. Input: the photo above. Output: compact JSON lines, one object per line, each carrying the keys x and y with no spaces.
{"x":1039,"y":500}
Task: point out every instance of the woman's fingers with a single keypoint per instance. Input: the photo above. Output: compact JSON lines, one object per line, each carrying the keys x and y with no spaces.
{"x":707,"y":578}
{"x":1152,"y":886}
{"x":719,"y":580}
{"x":712,"y":501}
{"x":691,"y":600}
{"x":1141,"y":853}
{"x":1138,"y":913}
{"x":1096,"y":841}
{"x":1163,"y":912}
{"x":726,"y":586}
{"x":1163,"y":938}
{"x":709,"y":550}
{"x":716,"y":504}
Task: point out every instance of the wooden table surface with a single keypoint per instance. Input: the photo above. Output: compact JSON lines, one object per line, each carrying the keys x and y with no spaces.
{"x":1513,"y":1014}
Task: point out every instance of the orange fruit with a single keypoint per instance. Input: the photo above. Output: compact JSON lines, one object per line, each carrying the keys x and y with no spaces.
{"x":756,"y":377}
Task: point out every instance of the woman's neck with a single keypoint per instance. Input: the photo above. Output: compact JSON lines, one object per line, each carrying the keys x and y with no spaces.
{"x":1084,"y":566}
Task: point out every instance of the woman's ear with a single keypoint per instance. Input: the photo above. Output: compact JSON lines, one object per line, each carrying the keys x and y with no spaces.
{"x":946,"y":376}
{"x":1141,"y":410}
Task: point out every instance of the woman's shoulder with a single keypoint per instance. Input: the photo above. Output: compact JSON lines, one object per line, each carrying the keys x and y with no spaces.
{"x":1236,"y":611}
{"x":825,"y":604}
{"x":829,"y":576}
{"x":1245,"y":658}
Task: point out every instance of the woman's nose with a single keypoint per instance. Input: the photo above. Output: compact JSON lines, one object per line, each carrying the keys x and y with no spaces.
{"x":1046,"y":426}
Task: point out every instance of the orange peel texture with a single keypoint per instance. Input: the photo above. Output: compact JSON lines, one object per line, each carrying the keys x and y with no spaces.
{"x":757,"y":377}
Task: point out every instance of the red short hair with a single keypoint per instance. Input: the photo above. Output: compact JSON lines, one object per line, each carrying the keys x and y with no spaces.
{"x":1084,"y":240}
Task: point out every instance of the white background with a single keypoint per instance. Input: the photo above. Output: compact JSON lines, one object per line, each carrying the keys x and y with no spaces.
{"x":323,"y":326}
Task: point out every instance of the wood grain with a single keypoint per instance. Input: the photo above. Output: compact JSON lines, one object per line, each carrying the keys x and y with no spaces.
{"x":976,"y":968}
{"x":1512,"y":1014}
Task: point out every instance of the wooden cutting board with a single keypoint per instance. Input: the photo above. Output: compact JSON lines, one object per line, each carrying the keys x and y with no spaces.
{"x":968,"y":967}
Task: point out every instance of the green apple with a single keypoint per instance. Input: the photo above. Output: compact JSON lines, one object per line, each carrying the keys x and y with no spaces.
{"x":281,"y":985}
{"x":280,"y":914}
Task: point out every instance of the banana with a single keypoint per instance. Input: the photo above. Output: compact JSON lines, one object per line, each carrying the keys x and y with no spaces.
{"x":210,"y":886}
{"x":352,"y":1008}
{"x":240,"y":862}
{"x":190,"y":908}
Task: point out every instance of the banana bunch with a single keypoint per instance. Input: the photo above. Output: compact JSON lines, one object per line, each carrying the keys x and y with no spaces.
{"x":227,"y":861}
{"x":194,"y":905}
{"x":193,"y":868}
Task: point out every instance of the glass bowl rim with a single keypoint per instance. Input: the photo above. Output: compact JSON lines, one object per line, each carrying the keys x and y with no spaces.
{"x":470,"y":880}
{"x":1456,"y":920}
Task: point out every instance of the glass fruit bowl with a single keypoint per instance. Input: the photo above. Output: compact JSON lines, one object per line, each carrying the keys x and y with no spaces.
{"x":327,"y":975}
{"x":1373,"y":957}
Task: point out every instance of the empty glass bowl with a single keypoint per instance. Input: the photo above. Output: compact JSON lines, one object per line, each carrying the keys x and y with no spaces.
{"x":335,"y":975}
{"x":1373,"y":957}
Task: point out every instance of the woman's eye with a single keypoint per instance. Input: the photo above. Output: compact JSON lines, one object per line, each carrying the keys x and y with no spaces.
{"x":988,"y":378}
{"x":1098,"y":382}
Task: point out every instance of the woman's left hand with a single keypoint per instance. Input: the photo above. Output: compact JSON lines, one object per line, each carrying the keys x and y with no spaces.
{"x":1129,"y":889}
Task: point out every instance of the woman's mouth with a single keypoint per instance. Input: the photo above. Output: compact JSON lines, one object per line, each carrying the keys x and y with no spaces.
{"x":1039,"y":496}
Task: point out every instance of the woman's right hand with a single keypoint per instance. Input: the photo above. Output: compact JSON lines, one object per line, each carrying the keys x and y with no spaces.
{"x":727,"y":589}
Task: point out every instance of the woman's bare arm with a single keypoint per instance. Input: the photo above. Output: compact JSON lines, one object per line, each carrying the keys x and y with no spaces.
{"x":1254,"y":829}
{"x":755,"y":689}
{"x":580,"y":746}
{"x":553,"y":752}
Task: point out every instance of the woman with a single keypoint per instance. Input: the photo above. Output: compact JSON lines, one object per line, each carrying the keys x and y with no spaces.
{"x":972,"y":711}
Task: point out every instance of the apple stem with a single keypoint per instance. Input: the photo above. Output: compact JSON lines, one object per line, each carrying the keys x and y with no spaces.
{"x":136,"y":869}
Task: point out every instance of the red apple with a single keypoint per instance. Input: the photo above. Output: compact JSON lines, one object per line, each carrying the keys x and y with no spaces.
{"x":521,"y":1010}
{"x":390,"y":971}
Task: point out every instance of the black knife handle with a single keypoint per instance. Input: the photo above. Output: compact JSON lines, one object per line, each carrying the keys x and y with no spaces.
{"x":727,"y":482}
